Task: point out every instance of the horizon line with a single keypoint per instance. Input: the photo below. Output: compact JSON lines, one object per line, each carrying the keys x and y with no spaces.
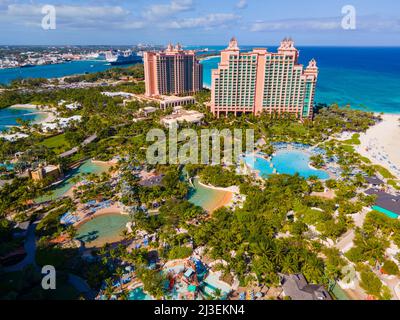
{"x":201,"y":45}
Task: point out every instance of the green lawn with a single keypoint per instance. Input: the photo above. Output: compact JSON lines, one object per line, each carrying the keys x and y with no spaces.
{"x":355,"y":140}
{"x":384,"y":172}
{"x":57,"y":143}
{"x":394,"y":184}
{"x":365,"y":159}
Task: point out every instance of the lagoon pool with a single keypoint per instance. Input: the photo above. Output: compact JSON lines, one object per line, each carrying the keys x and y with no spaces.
{"x":386,"y":212}
{"x":207,"y":198}
{"x":285,"y":162}
{"x":212,"y":283}
{"x":102,"y":229}
{"x":138,"y":294}
{"x":9,"y":116}
{"x":62,"y":188}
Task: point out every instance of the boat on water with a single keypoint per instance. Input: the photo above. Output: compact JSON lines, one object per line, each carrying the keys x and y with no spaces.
{"x":122,"y":57}
{"x":27,"y":65}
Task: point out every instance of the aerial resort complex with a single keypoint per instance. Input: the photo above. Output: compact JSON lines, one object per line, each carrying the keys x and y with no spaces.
{"x":200,"y":173}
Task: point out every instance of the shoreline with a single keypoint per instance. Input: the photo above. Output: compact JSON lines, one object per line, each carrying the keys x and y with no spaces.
{"x":209,"y":57}
{"x":381,"y":143}
{"x":50,"y":117}
{"x":27,"y":106}
{"x":113,"y":210}
{"x":223,"y":201}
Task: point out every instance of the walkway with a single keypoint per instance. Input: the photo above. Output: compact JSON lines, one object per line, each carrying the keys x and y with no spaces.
{"x":346,"y":242}
{"x":76,"y":149}
{"x":30,"y":248}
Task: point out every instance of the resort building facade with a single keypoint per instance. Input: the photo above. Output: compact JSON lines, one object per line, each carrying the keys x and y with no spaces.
{"x":261,"y":81}
{"x":47,"y":171}
{"x":173,"y":71}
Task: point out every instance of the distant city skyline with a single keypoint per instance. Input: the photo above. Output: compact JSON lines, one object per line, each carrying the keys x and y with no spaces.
{"x":199,"y":22}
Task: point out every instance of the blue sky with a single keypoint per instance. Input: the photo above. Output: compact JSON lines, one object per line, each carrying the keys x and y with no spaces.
{"x":200,"y":22}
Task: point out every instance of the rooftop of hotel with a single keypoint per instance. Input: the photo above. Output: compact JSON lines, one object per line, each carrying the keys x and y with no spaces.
{"x":184,"y":115}
{"x":386,"y":200}
{"x":174,"y":98}
{"x":117,"y":94}
{"x":297,"y":287}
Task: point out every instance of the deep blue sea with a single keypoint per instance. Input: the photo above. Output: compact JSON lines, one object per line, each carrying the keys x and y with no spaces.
{"x":54,"y":70}
{"x":365,"y":78}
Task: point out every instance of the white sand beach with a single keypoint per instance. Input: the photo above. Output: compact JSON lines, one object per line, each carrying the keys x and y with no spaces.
{"x":24,"y":106}
{"x":381,"y":143}
{"x":44,"y":110}
{"x":49,"y":117}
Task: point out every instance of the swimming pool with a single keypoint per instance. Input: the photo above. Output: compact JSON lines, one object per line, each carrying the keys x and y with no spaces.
{"x":386,"y":212}
{"x":212,"y":283}
{"x":138,"y":294}
{"x":7,"y":166}
{"x":285,"y":162}
{"x":62,"y":188}
{"x":102,"y":229}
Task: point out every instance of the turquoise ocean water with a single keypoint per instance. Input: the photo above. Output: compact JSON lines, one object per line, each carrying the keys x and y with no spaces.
{"x":9,"y":116}
{"x":365,"y":78}
{"x":54,"y":70}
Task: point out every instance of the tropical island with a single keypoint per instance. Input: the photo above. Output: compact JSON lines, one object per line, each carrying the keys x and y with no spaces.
{"x":77,"y":193}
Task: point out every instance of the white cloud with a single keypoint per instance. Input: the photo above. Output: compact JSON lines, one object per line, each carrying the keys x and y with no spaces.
{"x":365,"y":23}
{"x":242,"y":4}
{"x":312,"y":24}
{"x":98,"y":17}
{"x":157,"y":11}
{"x":69,"y":16}
{"x":4,"y":4}
{"x":209,"y":21}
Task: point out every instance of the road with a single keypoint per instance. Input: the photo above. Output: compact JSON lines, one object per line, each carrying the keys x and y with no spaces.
{"x":75,"y":149}
{"x":346,"y":242}
{"x":30,"y":248}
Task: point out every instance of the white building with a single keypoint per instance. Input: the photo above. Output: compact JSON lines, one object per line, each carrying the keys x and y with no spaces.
{"x":181,"y":116}
{"x":73,"y":106}
{"x":148,"y":110}
{"x":163,"y":101}
{"x":60,"y":123}
{"x":121,"y":94}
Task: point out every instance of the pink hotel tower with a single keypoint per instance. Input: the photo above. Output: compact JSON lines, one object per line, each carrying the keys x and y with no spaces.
{"x":173,"y":71}
{"x":260,"y":81}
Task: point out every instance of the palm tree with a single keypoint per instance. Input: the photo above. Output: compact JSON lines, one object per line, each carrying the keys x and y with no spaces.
{"x":109,"y":290}
{"x":71,"y":231}
{"x":119,"y":273}
{"x":124,"y":295}
{"x":217,"y":294}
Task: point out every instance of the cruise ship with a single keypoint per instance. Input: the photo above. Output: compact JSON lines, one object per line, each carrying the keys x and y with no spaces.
{"x":122,"y":57}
